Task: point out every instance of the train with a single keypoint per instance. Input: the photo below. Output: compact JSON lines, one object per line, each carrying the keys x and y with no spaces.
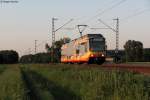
{"x":90,"y":48}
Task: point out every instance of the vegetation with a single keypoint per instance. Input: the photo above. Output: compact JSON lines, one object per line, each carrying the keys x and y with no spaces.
{"x":38,"y":90}
{"x":2,"y":69}
{"x":55,"y":49}
{"x":46,"y":57}
{"x":134,"y":51}
{"x":8,"y":57}
{"x":122,"y":55}
{"x":95,"y":83}
{"x":12,"y":86}
{"x":65,"y":82}
{"x":147,"y":54}
{"x":37,"y":58}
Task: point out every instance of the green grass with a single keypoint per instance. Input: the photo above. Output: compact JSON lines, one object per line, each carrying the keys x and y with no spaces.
{"x":38,"y":90}
{"x":71,"y":82}
{"x":2,"y":68}
{"x":11,"y":84}
{"x":139,"y":63}
{"x":96,"y":83}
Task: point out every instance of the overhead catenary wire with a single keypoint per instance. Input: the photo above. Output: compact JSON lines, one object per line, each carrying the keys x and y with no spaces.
{"x":135,"y":14}
{"x":45,"y":41}
{"x":31,"y":51}
{"x":105,"y":10}
{"x":105,"y":4}
{"x":112,"y":7}
{"x":115,"y":4}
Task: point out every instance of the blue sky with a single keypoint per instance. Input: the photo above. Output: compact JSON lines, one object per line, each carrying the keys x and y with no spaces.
{"x":29,"y":20}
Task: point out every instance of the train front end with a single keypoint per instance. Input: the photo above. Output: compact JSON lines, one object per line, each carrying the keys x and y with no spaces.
{"x":97,"y":48}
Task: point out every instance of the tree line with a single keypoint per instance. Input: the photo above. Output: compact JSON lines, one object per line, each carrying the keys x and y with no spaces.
{"x":133,"y":52}
{"x":53,"y":53}
{"x":36,"y":58}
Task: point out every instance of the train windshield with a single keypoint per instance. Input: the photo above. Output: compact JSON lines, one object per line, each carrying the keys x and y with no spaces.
{"x":97,"y":44}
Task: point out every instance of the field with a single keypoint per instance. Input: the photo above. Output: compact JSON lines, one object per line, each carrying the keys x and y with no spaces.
{"x":71,"y":82}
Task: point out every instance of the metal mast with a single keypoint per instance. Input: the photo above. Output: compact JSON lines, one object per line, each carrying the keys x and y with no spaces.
{"x":53,"y":30}
{"x":35,"y":46}
{"x":53,"y":39}
{"x":53,"y":35}
{"x":117,"y":35}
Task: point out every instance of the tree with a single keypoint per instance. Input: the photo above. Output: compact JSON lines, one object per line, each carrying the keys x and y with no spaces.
{"x":56,"y":48}
{"x":133,"y":50}
{"x":37,"y":58}
{"x":47,"y":47}
{"x":8,"y":57}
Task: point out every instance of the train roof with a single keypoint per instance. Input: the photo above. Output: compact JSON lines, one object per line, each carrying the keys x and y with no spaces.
{"x":89,"y":35}
{"x":86,"y":36}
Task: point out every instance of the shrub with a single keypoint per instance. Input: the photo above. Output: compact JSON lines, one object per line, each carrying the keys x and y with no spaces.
{"x":8,"y":57}
{"x":37,"y":58}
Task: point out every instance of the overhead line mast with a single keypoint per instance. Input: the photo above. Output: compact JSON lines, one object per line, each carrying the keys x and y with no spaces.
{"x":53,"y":35}
{"x":35,"y":46}
{"x":53,"y":30}
{"x":117,"y":35}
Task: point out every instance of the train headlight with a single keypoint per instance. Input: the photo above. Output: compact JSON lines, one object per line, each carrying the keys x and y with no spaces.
{"x":103,"y":55}
{"x":92,"y":55}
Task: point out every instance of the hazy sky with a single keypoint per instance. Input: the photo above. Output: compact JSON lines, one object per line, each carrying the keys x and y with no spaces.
{"x":29,"y":20}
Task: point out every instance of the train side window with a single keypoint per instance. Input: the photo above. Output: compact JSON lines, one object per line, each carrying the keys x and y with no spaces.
{"x":77,"y":51}
{"x":85,"y":46}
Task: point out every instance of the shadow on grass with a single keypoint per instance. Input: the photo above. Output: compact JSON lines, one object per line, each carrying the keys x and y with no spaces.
{"x":31,"y":93}
{"x":58,"y":92}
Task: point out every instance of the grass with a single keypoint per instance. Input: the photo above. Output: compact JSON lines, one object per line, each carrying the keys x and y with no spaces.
{"x":38,"y":90}
{"x":11,"y":84}
{"x":2,"y":68}
{"x":71,"y":82}
{"x":96,"y":83}
{"x":139,"y":63}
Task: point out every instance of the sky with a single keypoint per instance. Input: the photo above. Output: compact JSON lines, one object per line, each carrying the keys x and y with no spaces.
{"x":28,"y":20}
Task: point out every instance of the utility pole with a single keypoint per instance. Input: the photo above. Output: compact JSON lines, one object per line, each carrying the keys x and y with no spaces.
{"x":53,"y":39}
{"x":53,"y":30}
{"x":53,"y":35}
{"x":35,"y":46}
{"x":117,"y":39}
{"x":117,"y":36}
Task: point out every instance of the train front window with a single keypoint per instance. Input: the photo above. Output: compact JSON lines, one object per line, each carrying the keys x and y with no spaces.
{"x":97,"y":45}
